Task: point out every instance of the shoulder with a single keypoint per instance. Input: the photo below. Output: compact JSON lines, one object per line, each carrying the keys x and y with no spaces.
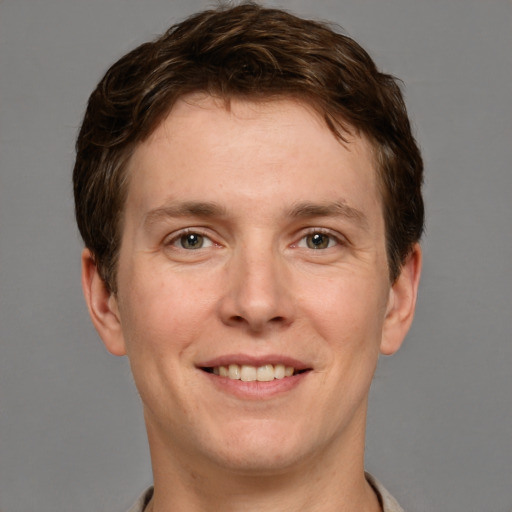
{"x":389,"y":504}
{"x":142,"y":502}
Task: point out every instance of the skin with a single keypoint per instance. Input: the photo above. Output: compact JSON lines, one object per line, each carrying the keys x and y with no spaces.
{"x":256,"y":184}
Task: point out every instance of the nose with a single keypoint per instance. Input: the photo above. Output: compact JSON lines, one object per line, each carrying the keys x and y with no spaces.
{"x":258,"y":293}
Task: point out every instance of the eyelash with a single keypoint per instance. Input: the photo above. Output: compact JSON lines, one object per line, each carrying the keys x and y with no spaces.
{"x":333,"y":240}
{"x":336,"y":239}
{"x":176,"y":238}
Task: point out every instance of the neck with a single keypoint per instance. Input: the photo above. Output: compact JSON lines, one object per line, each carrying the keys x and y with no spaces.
{"x":264,"y":495}
{"x":331,"y":480}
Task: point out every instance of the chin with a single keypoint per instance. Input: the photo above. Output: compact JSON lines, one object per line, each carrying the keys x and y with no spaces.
{"x":262,"y":449}
{"x":259,"y":463}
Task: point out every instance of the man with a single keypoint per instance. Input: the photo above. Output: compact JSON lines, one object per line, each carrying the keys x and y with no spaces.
{"x":249,"y":194}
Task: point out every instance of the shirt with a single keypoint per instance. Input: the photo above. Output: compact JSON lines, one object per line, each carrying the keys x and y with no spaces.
{"x":388,"y":503}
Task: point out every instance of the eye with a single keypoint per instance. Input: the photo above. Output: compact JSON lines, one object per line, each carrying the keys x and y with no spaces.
{"x":191,"y":241}
{"x":318,"y":240}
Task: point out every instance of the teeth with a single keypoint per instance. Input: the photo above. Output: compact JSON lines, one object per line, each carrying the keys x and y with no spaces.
{"x":265,"y":373}
{"x":234,"y":371}
{"x":249,"y":373}
{"x":279,"y":371}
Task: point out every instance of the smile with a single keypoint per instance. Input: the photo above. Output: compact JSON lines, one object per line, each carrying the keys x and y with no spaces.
{"x":248,"y":373}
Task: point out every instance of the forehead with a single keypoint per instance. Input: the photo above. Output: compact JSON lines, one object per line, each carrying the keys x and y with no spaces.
{"x":226,"y":143}
{"x":241,"y":108}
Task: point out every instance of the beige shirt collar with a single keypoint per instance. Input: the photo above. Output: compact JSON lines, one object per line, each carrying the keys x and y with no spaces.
{"x":389,"y":504}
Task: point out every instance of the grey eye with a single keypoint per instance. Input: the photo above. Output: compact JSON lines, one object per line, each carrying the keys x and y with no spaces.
{"x":192,"y":241}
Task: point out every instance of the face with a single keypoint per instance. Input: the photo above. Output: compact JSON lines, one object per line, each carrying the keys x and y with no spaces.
{"x":253,"y":292}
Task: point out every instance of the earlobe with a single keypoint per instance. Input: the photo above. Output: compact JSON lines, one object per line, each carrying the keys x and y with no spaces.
{"x":103,"y":307}
{"x":402,"y":303}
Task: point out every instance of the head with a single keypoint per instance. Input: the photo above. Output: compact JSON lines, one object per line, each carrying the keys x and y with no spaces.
{"x":249,"y":194}
{"x":251,"y":53}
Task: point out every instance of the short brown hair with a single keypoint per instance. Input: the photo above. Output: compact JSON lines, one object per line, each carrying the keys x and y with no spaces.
{"x":246,"y":51}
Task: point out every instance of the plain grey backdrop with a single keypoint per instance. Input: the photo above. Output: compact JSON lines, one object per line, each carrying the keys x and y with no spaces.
{"x":440,"y":422}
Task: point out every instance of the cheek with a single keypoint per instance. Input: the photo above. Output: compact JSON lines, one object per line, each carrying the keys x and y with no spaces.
{"x":161,"y":315}
{"x":160,"y":324}
{"x":348,"y":313}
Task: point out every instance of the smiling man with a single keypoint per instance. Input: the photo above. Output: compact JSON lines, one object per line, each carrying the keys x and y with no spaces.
{"x":249,"y":194}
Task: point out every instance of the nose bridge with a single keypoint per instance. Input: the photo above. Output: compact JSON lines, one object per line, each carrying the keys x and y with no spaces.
{"x":257,"y":292}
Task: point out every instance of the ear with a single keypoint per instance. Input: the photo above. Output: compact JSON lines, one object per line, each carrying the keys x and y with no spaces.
{"x":401,"y":304}
{"x":102,"y":305}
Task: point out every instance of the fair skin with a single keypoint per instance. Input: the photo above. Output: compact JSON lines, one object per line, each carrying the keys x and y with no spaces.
{"x":253,"y":237}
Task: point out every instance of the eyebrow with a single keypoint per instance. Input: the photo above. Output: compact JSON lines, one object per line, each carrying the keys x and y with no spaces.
{"x":184,"y":209}
{"x":332,"y":209}
{"x":302,"y":210}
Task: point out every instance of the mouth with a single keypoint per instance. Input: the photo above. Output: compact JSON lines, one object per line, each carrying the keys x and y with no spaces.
{"x":249,"y":373}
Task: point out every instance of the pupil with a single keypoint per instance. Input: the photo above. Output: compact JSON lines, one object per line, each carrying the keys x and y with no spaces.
{"x":192,"y":241}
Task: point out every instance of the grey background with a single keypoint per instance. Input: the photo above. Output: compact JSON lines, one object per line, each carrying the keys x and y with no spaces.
{"x":440,"y":422}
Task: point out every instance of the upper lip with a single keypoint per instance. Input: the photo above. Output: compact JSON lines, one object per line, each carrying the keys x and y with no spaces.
{"x":251,"y":360}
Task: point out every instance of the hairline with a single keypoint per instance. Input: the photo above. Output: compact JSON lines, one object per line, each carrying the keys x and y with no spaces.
{"x":340,"y":131}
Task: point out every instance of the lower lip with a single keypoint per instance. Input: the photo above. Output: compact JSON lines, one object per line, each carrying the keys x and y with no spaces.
{"x":256,"y":390}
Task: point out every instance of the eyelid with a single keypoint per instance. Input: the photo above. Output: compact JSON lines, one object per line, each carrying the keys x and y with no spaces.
{"x":334,"y":235}
{"x":171,"y":239}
